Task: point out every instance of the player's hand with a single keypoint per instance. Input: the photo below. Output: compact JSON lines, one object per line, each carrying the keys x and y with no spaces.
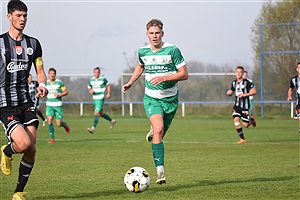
{"x":91,"y":91}
{"x":56,"y":94}
{"x":126,"y":87}
{"x":41,"y":92}
{"x":108,"y":96}
{"x":289,"y":98}
{"x":241,"y":95}
{"x":229,"y":92}
{"x":157,"y":80}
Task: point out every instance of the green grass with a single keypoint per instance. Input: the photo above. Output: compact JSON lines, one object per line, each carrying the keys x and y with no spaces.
{"x":202,"y":161}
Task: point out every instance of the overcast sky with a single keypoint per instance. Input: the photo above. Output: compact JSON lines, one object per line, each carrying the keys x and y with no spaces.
{"x":77,"y":36}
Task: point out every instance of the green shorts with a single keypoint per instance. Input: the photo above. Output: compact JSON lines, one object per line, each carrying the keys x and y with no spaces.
{"x":55,"y":111}
{"x":98,"y":105}
{"x":159,"y":106}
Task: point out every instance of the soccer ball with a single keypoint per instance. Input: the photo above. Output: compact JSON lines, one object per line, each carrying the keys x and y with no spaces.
{"x":137,"y":179}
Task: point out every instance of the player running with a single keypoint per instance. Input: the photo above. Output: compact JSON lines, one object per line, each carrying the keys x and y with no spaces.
{"x":57,"y":90}
{"x":163,"y":65}
{"x":18,"y":52}
{"x":242,"y":90}
{"x":97,"y":86}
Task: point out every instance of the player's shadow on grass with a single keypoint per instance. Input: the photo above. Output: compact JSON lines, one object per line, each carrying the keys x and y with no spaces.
{"x":210,"y":183}
{"x":195,"y":183}
{"x":202,"y":183}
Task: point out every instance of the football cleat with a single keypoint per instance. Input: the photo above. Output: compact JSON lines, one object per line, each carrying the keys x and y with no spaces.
{"x":90,"y":130}
{"x":241,"y":141}
{"x":149,"y":135}
{"x":253,"y":121}
{"x":19,"y":196}
{"x":44,"y":122}
{"x":5,"y":162}
{"x":67,"y":129}
{"x":161,"y":180}
{"x":51,"y":141}
{"x":112,"y":123}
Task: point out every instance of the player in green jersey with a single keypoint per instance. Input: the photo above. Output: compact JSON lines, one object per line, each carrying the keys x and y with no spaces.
{"x":56,"y":89}
{"x":245,"y":76}
{"x":163,"y":66}
{"x":97,"y":86}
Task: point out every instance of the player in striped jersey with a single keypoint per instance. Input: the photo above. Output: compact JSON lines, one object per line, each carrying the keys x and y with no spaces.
{"x":17,"y":54}
{"x":33,"y":85}
{"x":295,"y":84}
{"x":54,"y":108}
{"x":242,"y":90}
{"x":163,"y":66}
{"x":97,"y":86}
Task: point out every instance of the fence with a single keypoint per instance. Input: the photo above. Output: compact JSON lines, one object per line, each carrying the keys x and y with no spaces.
{"x":185,"y":109}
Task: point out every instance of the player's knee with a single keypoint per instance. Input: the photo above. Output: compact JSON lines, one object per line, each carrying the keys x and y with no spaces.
{"x":237,"y":124}
{"x":22,"y":145}
{"x":246,"y":124}
{"x":158,"y":130}
{"x":32,"y":150}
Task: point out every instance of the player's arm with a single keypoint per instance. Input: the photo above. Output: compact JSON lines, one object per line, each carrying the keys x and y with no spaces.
{"x":91,"y":91}
{"x":250,"y":93}
{"x":108,"y":91}
{"x":64,"y":92}
{"x":290,"y":92}
{"x":136,"y":74}
{"x":181,"y":75}
{"x":231,"y":90}
{"x":41,"y":77}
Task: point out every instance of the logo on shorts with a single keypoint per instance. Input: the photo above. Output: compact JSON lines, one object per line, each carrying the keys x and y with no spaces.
{"x":149,"y":110}
{"x":10,"y":118}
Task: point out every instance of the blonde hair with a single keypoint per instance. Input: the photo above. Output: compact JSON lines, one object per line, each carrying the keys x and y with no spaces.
{"x":155,"y":22}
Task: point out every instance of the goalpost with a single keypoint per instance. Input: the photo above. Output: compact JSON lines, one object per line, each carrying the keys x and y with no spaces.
{"x":266,"y":52}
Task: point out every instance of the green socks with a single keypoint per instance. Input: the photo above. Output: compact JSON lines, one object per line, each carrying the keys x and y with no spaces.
{"x":96,"y":120}
{"x":158,"y":151}
{"x":51,"y":130}
{"x":105,"y":116}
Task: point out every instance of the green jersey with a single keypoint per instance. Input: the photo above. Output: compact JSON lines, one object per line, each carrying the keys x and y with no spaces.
{"x":165,"y":61}
{"x":252,"y":84}
{"x":99,"y":87}
{"x":56,"y":87}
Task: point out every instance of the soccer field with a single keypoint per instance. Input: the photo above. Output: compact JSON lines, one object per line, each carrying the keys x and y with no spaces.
{"x":202,"y":161}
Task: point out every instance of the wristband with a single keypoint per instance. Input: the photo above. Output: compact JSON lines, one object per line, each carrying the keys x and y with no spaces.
{"x":42,"y":85}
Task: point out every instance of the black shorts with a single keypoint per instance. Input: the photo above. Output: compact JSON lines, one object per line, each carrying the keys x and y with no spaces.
{"x":244,"y":114}
{"x":23,"y":115}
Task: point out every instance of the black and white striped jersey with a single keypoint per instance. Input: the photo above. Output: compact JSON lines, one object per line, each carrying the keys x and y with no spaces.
{"x":16,"y":59}
{"x":242,"y":87}
{"x":295,"y":83}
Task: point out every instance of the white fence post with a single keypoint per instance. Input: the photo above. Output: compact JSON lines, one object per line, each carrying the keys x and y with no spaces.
{"x":183,"y":109}
{"x":81,"y":109}
{"x":292,"y":109}
{"x":130,"y":109}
